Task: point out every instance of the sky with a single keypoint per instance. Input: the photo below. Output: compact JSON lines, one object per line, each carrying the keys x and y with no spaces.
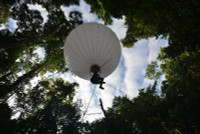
{"x":128,"y":77}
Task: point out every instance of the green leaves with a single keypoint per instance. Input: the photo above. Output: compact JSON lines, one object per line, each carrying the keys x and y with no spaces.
{"x":144,"y":19}
{"x":17,"y":47}
{"x":153,"y":72}
{"x":48,"y":108}
{"x":129,"y":40}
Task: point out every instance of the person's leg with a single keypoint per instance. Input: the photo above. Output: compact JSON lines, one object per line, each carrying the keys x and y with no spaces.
{"x":101,"y":86}
{"x":101,"y":82}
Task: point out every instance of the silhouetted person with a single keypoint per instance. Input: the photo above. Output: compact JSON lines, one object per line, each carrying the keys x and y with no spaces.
{"x":96,"y":79}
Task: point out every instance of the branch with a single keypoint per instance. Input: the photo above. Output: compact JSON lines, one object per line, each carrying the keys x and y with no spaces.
{"x":102,"y":108}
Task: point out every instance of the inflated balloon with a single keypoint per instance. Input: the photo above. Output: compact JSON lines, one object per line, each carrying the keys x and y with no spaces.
{"x":92,"y":48}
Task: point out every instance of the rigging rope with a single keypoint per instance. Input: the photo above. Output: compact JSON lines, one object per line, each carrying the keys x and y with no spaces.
{"x":118,"y":89}
{"x":89,"y":102}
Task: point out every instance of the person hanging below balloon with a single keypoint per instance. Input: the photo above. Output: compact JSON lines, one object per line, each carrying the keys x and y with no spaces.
{"x":96,"y":79}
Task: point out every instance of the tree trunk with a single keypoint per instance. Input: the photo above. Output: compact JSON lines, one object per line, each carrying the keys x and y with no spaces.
{"x":109,"y":126}
{"x":23,"y":79}
{"x":12,"y":44}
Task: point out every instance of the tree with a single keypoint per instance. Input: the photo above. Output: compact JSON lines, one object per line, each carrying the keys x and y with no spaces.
{"x":17,"y":48}
{"x":6,"y":124}
{"x":181,"y":89}
{"x":176,"y":20}
{"x":48,"y":108}
{"x":29,"y":24}
{"x":174,"y":111}
{"x":152,"y":71}
{"x":21,"y":64}
{"x":4,"y":15}
{"x":145,"y":114}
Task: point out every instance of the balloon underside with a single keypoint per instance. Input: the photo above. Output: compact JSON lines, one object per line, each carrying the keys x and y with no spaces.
{"x":92,"y":44}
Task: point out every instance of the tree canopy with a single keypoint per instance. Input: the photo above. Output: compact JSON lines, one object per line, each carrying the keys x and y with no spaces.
{"x":173,"y":109}
{"x":175,"y":20}
{"x":47,"y":107}
{"x":18,"y":46}
{"x":40,"y":110}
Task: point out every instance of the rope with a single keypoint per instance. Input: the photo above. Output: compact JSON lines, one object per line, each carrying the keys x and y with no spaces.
{"x":93,"y":113}
{"x":118,"y":89}
{"x":89,"y":102}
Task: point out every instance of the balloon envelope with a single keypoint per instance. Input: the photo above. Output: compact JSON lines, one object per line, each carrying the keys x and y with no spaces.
{"x":92,"y":44}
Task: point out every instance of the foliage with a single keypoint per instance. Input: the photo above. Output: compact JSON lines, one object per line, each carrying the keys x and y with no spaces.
{"x":182,"y":90}
{"x":45,"y":108}
{"x":141,"y":115}
{"x":18,"y":47}
{"x":48,"y":108}
{"x":175,"y":111}
{"x":152,"y":71}
{"x":177,"y":108}
{"x":4,"y":14}
{"x":176,"y":20}
{"x":6,"y":125}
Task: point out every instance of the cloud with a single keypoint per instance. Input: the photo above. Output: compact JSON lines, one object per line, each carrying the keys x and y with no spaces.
{"x":135,"y":62}
{"x":118,"y":27}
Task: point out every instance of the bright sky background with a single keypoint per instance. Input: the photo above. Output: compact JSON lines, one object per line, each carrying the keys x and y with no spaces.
{"x":125,"y":80}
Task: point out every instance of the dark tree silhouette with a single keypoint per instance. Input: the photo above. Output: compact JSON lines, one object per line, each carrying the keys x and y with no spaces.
{"x":17,"y":47}
{"x":176,"y":20}
{"x":20,"y":64}
{"x":48,"y":108}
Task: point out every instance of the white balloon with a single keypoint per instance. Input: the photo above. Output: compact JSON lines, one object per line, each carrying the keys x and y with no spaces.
{"x":92,"y":44}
